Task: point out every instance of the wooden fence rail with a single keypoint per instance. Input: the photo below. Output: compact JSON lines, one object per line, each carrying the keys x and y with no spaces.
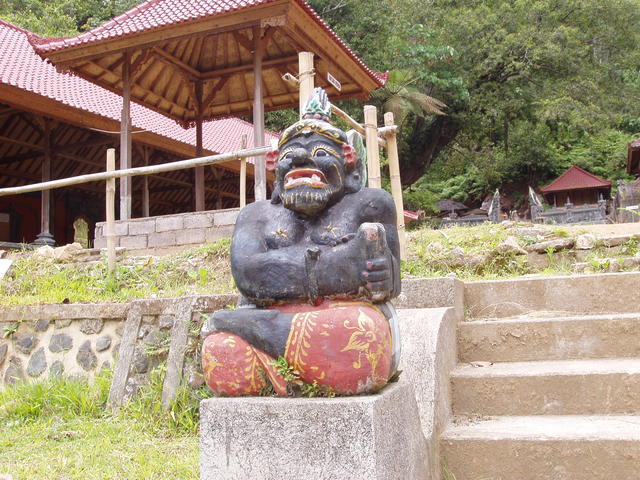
{"x":132,"y":172}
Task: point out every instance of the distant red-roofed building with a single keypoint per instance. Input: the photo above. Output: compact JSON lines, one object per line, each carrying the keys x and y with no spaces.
{"x":576,"y":186}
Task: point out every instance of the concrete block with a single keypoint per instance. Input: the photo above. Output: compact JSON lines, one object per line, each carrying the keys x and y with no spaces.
{"x":164,"y":239}
{"x":372,"y":437}
{"x":214,"y":234}
{"x":142,"y":227}
{"x":198,"y":220}
{"x":591,"y":294}
{"x":431,"y":293}
{"x":225,"y":217}
{"x":191,"y":235}
{"x":98,"y":231}
{"x":122,"y":228}
{"x":100,"y":242}
{"x":166,"y":223}
{"x":133,"y":242}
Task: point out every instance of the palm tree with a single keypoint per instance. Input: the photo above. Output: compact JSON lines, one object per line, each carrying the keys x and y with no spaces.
{"x":401,"y":97}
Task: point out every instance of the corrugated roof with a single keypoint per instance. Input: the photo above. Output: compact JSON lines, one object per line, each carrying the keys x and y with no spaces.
{"x":21,"y":67}
{"x":575,"y":178}
{"x":157,"y":14}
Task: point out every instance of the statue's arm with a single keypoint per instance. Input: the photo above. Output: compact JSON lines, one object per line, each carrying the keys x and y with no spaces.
{"x":368,"y":261}
{"x":260,"y":273}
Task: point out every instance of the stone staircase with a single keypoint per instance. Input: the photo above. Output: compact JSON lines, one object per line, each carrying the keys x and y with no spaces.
{"x":543,"y":396}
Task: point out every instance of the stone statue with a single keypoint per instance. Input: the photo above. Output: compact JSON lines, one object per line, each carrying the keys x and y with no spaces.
{"x":316,"y":266}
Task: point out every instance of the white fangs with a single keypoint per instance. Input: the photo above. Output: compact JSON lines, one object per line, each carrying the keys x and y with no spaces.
{"x":304,"y":176}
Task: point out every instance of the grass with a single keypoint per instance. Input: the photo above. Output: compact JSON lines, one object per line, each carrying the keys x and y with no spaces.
{"x":471,"y":253}
{"x":60,"y":428}
{"x":33,"y":280}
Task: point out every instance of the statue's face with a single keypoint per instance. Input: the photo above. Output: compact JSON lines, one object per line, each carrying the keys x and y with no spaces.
{"x":310,"y":172}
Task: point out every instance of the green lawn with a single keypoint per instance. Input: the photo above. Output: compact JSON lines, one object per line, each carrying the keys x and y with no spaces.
{"x":85,"y":448}
{"x":61,"y":429}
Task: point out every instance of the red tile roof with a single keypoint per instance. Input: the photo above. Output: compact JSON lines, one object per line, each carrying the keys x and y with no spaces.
{"x":156,"y":14}
{"x":21,"y":67}
{"x":575,"y":178}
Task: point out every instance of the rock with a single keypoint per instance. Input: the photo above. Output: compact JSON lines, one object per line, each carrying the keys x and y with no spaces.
{"x":148,"y":319}
{"x":86,"y":358}
{"x":44,"y":252}
{"x":436,"y":247}
{"x":510,"y":245}
{"x":106,"y":366}
{"x":25,"y":343}
{"x":3,"y":352}
{"x":195,"y":379}
{"x":62,"y":323}
{"x":91,"y":326}
{"x":14,"y":372}
{"x":140,"y":363}
{"x":66,"y":252}
{"x":586,"y":241}
{"x":119,"y":330}
{"x":103,"y":343}
{"x":40,"y":325}
{"x":165,"y":321}
{"x":552,"y":245}
{"x":57,"y":369}
{"x":37,"y":363}
{"x":60,"y":342}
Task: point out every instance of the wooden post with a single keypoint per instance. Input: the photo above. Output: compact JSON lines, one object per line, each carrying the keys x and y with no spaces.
{"x":371,"y":139}
{"x":125,"y":138}
{"x":396,"y":185}
{"x":305,"y":76}
{"x":45,"y":237}
{"x":110,"y":226}
{"x":260,"y":174}
{"x":199,"y":171}
{"x":145,"y":184}
{"x":243,"y":174}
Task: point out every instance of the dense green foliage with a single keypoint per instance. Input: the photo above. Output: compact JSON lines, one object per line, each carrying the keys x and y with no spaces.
{"x":531,"y":86}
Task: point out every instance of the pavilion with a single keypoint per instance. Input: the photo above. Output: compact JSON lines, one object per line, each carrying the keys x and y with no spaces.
{"x":576,"y":187}
{"x":55,"y":125}
{"x":195,"y":61}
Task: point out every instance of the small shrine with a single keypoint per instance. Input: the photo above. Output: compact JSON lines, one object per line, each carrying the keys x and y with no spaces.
{"x":576,"y":187}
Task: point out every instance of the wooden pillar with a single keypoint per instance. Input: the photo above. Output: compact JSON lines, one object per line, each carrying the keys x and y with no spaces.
{"x":260,"y":174}
{"x":110,"y":201}
{"x":125,"y":138}
{"x":199,"y":171}
{"x":145,"y":183}
{"x":396,"y":185}
{"x":373,"y":152}
{"x":45,"y":237}
{"x":305,"y":76}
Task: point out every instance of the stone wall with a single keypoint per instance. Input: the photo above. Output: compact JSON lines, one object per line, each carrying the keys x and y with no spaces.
{"x":80,"y":340}
{"x":170,"y":230}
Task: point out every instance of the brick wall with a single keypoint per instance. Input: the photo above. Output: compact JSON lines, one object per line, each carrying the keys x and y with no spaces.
{"x":170,"y":230}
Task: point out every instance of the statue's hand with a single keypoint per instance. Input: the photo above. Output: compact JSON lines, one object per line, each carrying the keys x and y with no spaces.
{"x":377,"y":271}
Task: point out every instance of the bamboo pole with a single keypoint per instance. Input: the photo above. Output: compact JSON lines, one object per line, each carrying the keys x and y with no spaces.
{"x":358,"y":127}
{"x":243,"y":174}
{"x":111,"y":211}
{"x":371,"y":139}
{"x":259,"y":162}
{"x":396,"y":185}
{"x":132,"y":172}
{"x":305,"y":76}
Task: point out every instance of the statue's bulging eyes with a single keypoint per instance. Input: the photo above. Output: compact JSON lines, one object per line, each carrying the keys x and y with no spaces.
{"x":324,"y":152}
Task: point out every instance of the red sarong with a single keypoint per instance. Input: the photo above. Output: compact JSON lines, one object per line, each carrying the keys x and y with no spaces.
{"x":344,"y":346}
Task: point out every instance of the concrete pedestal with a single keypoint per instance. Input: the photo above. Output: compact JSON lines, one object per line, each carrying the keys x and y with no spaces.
{"x":373,"y":437}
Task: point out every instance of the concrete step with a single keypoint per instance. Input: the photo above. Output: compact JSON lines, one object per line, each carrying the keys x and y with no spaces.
{"x":550,"y":338}
{"x":566,"y":387}
{"x":544,"y":448}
